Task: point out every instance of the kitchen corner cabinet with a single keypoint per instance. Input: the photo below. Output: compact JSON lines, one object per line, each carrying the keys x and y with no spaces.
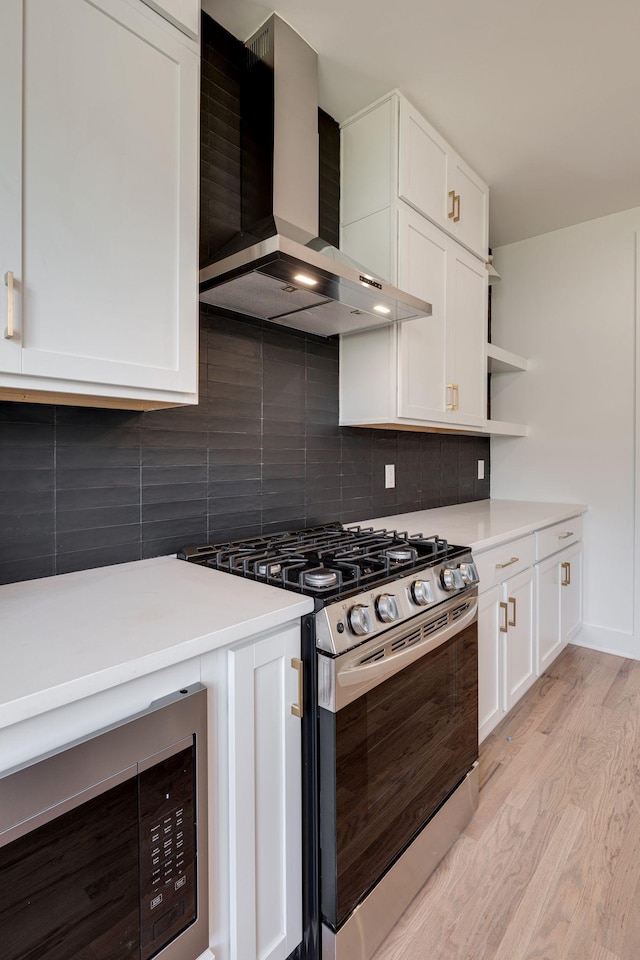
{"x":559,"y":589}
{"x":98,"y":203}
{"x":428,"y":372}
{"x":265,"y":804}
{"x":390,"y":152}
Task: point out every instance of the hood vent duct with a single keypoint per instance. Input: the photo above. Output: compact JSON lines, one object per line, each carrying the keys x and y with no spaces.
{"x":269,"y":270}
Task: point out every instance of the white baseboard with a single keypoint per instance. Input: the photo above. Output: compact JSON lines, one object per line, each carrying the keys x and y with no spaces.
{"x":608,"y":641}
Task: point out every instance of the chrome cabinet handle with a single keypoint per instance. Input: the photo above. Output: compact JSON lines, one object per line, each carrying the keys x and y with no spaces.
{"x":566,"y":580}
{"x":563,"y":536}
{"x":297,"y":708}
{"x":501,"y":566}
{"x":9,"y":331}
{"x":512,"y":623}
{"x":504,"y":625}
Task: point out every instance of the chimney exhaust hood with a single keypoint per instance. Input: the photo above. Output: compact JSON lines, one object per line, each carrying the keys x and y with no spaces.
{"x":278,"y":269}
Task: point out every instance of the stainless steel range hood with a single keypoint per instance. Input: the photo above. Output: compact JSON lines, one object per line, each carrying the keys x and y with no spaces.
{"x":280,"y":277}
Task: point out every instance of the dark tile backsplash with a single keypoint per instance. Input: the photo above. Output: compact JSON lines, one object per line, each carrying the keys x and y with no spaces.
{"x":262,"y":451}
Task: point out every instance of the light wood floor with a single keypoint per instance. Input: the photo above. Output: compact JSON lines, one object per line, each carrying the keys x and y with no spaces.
{"x":549,"y":868}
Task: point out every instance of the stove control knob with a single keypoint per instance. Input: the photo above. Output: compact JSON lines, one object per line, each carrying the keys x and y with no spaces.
{"x":451,"y":578}
{"x":469,"y":573}
{"x":387,"y":608}
{"x":421,"y":592}
{"x":360,"y":619}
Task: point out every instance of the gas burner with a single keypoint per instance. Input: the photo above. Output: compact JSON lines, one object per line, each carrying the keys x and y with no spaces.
{"x":402,"y":554}
{"x":268,"y":569}
{"x":320,"y":579}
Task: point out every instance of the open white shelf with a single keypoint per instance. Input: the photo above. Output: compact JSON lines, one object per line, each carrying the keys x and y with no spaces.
{"x":503,"y":361}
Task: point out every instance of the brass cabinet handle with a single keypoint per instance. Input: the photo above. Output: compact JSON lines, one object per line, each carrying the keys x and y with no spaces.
{"x":566,"y":580}
{"x":452,"y":212}
{"x":456,"y":201}
{"x":457,"y":389}
{"x":9,"y":331}
{"x":503,"y":626}
{"x":563,"y":536}
{"x":512,"y":623}
{"x":501,"y":566}
{"x":451,"y":405}
{"x":297,"y":708}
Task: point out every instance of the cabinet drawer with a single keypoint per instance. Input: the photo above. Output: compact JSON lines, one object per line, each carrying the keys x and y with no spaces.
{"x":503,"y":562}
{"x":555,"y":538}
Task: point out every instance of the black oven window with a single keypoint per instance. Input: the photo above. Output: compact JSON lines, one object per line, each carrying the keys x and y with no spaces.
{"x":388,"y":761}
{"x":70,"y":887}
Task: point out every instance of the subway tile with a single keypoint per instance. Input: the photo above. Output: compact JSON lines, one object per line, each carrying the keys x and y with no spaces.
{"x":88,"y":497}
{"x":165,"y":492}
{"x":71,"y":541}
{"x":220,"y":506}
{"x":31,"y":568}
{"x":89,"y":455}
{"x":174,"y":510}
{"x":223,"y":473}
{"x":91,"y":518}
{"x":78,"y":478}
{"x":186,"y":473}
{"x":96,"y":557}
{"x":222,"y":489}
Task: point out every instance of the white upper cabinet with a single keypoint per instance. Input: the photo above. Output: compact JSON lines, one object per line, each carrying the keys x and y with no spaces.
{"x":390,"y":152}
{"x":98,"y":195}
{"x":183,"y":14}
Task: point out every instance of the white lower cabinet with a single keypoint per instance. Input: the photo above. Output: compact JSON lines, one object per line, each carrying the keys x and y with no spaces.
{"x":265,"y":807}
{"x":506,"y":629}
{"x":530,"y":606}
{"x":517,"y":626}
{"x":559,"y":586}
{"x":490,"y":662}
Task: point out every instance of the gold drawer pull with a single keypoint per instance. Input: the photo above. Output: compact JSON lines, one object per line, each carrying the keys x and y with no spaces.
{"x":566,"y":580}
{"x":563,"y":536}
{"x":501,"y":566}
{"x":457,"y":200}
{"x":503,"y":625}
{"x":451,"y":405}
{"x":512,"y":623}
{"x":452,"y":197}
{"x":297,"y":708}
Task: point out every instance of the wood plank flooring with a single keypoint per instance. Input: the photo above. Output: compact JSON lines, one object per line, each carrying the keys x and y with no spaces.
{"x":549,"y":867}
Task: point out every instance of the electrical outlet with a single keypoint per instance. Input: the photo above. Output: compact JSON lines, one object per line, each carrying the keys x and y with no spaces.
{"x":390,"y":475}
{"x":480,"y":469}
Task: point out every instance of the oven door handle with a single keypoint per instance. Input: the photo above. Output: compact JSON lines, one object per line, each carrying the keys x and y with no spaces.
{"x":343,"y":680}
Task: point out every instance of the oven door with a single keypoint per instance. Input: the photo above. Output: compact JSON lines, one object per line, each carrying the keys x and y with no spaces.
{"x":398,"y":731}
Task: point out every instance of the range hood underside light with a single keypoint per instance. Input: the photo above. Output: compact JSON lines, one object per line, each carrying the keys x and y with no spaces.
{"x":264,"y":282}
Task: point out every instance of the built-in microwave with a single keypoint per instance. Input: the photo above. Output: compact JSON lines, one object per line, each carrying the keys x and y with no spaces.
{"x":103,"y":844}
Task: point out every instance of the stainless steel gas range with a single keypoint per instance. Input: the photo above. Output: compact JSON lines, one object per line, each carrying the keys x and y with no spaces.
{"x":390,"y":732}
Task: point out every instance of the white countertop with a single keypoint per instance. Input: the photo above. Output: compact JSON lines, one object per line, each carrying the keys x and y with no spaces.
{"x":66,"y":637}
{"x":482,"y":523}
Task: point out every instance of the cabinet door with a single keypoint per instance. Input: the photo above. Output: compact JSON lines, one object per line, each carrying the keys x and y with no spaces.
{"x":423,"y":166}
{"x":570,"y":592}
{"x":109,"y":183}
{"x":185,"y":14}
{"x":472,"y":207}
{"x":467,"y":336}
{"x":549,"y":641}
{"x":422,"y":271}
{"x":265,"y":829}
{"x":10,"y":175}
{"x":490,"y":662}
{"x":519,"y":646}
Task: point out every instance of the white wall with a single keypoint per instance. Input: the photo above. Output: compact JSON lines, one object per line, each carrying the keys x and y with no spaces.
{"x":567,"y":301}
